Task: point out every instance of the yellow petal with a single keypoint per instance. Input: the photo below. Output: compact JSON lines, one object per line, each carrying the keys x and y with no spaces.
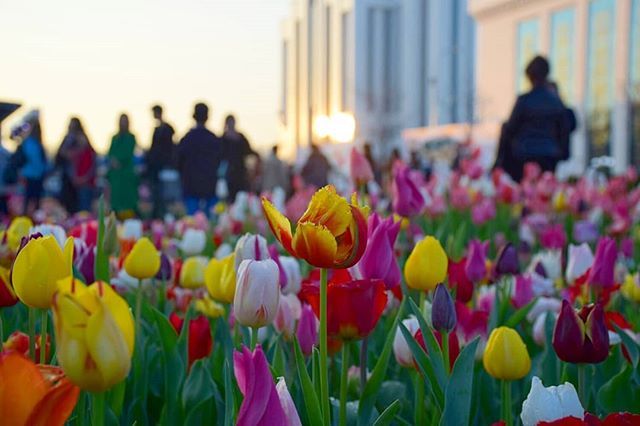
{"x":18,"y":228}
{"x":506,"y":356}
{"x":315,"y":244}
{"x":209,"y":308}
{"x":329,"y":209}
{"x":119,"y":310}
{"x":31,"y":277}
{"x":143,"y":261}
{"x":78,"y":365}
{"x":426,"y":266}
{"x":280,"y":225}
{"x":192,"y":273}
{"x":70,"y":316}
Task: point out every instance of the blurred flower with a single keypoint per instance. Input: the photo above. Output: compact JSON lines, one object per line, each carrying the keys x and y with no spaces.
{"x":38,"y":267}
{"x":550,"y":403}
{"x":547,"y":263}
{"x":401,"y":349}
{"x":200,"y":340}
{"x":407,"y":199}
{"x":257,"y":295}
{"x":289,"y":311}
{"x":483,"y":211}
{"x":331,"y":234}
{"x":307,"y":331}
{"x":84,"y":259}
{"x":289,"y":408}
{"x":443,"y":312}
{"x":165,"y":272}
{"x":143,"y":261}
{"x":426,"y":266}
{"x":452,"y":340}
{"x":506,"y":356}
{"x":250,"y":246}
{"x":471,"y":323}
{"x":17,"y":230}
{"x":602,"y":271}
{"x":553,"y":237}
{"x":55,"y":231}
{"x":19,"y":342}
{"x":361,"y":172}
{"x":220,"y":278}
{"x":522,"y":291}
{"x":507,"y":261}
{"x":207,"y":306}
{"x":193,"y":242}
{"x":7,"y":295}
{"x":94,"y":334}
{"x":34,"y":395}
{"x":261,"y":404}
{"x":459,"y":281}
{"x":585,"y":231}
{"x":379,"y":260}
{"x":580,"y":260}
{"x":291,"y":268}
{"x":475,"y":267}
{"x":626,"y":247}
{"x":223,"y":251}
{"x":630,"y":289}
{"x":131,"y":229}
{"x":192,"y":272}
{"x":581,"y":337}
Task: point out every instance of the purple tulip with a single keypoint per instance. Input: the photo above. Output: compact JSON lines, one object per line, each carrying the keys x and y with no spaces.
{"x":626,"y":247}
{"x":523,"y":291}
{"x":165,"y":271}
{"x":581,"y":337}
{"x":476,"y":265}
{"x":379,"y":260}
{"x":507,"y":262}
{"x":443,"y":312}
{"x":261,"y":404}
{"x":407,"y":199}
{"x":307,"y":332}
{"x":603,"y":270}
{"x":585,"y":231}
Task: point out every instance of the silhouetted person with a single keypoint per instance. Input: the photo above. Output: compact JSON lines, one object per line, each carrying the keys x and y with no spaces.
{"x":199,"y":155}
{"x":375,"y":167}
{"x":121,"y":175}
{"x":536,"y":128}
{"x":160,"y":156}
{"x":76,"y":159}
{"x":316,"y":170}
{"x":572,"y":123}
{"x":275,"y":172}
{"x":236,"y":151}
{"x":34,"y":165}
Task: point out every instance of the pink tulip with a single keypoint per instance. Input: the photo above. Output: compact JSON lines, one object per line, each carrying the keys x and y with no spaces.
{"x":261,"y":404}
{"x":290,"y":412}
{"x":522,"y":291}
{"x":602,"y":271}
{"x":307,"y":332}
{"x":379,"y":260}
{"x":475,"y":267}
{"x":407,"y":199}
{"x":289,"y":311}
{"x":553,"y":237}
{"x":471,"y":323}
{"x":361,"y":172}
{"x":483,"y":211}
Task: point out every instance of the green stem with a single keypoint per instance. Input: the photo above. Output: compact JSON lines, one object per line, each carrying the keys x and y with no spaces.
{"x":81,"y":409}
{"x":418,"y":389}
{"x":138,"y":312}
{"x":97,"y":409}
{"x":343,"y":384}
{"x":324,"y":371}
{"x":363,"y":364}
{"x":254,"y":337}
{"x":421,"y":298}
{"x":43,"y":336}
{"x":1,"y":330}
{"x":506,"y":402}
{"x":32,"y":334}
{"x":582,"y":385}
{"x":445,"y":350}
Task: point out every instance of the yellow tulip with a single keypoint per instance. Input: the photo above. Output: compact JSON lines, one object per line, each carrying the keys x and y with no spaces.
{"x":631,"y":287}
{"x":220,"y":278}
{"x":505,"y":356}
{"x":426,"y":266}
{"x":192,"y":272}
{"x":94,"y":334}
{"x":38,"y":267}
{"x":18,"y":228}
{"x":209,"y":307}
{"x":143,"y":261}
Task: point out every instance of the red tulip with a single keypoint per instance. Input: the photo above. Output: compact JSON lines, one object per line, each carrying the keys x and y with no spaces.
{"x":19,"y":342}
{"x":459,"y":280}
{"x":200,"y":340}
{"x":581,"y":337}
{"x":7,"y":295}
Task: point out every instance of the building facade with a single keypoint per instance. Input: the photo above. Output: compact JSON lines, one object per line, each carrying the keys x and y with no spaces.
{"x":594,"y":50}
{"x":389,"y":64}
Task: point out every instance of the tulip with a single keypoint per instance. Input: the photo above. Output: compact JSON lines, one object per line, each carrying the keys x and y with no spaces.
{"x":483,"y":211}
{"x":209,"y":307}
{"x":34,"y":395}
{"x":585,"y":231}
{"x":193,"y":242}
{"x":200,"y":341}
{"x":602,"y":271}
{"x":17,"y":230}
{"x":330,"y":234}
{"x":471,"y":323}
{"x":7,"y":295}
{"x":289,"y":312}
{"x":458,"y":279}
{"x":38,"y":267}
{"x":166,"y":268}
{"x":522,"y":291}
{"x":379,"y":260}
{"x":361,"y":171}
{"x":289,"y":408}
{"x":580,"y":260}
{"x":626,"y":247}
{"x":581,"y":337}
{"x":84,"y":260}
{"x":506,"y":356}
{"x":553,"y":237}
{"x":143,"y":261}
{"x":192,"y":272}
{"x":475,"y":267}
{"x":261,"y":404}
{"x":550,"y":403}
{"x":443,"y":312}
{"x":251,"y":246}
{"x":307,"y":331}
{"x":452,"y":347}
{"x":630,"y":289}
{"x":55,"y":231}
{"x":220,"y":279}
{"x":257,"y":295}
{"x":19,"y":342}
{"x":291,"y":268}
{"x":131,"y":229}
{"x":401,"y":349}
{"x":426,"y":266}
{"x":353,"y":307}
{"x":407,"y":199}
{"x":275,"y":256}
{"x":507,"y":261}
{"x":94,"y":334}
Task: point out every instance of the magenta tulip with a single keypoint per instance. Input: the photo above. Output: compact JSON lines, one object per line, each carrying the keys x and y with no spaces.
{"x":361,"y":171}
{"x":603,"y":270}
{"x":307,"y":332}
{"x":407,"y":199}
{"x":476,"y":265}
{"x":379,"y":260}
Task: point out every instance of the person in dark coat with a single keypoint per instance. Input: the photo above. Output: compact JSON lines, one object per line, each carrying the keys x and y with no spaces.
{"x":316,"y":170}
{"x":236,"y":151}
{"x":159,"y":157}
{"x":537,"y":127}
{"x":198,"y":158}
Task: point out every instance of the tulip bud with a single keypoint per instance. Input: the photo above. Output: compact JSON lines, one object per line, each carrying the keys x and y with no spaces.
{"x":379,"y":260}
{"x":401,"y":349}
{"x":407,"y":199}
{"x":602,"y":271}
{"x":426,"y":266}
{"x":548,"y":404}
{"x":307,"y":332}
{"x":505,"y":356}
{"x":289,"y":311}
{"x":257,"y":296}
{"x":192,"y":272}
{"x":166,"y":268}
{"x":443,"y":311}
{"x":507,"y":262}
{"x":193,"y":242}
{"x":475,"y":267}
{"x":220,"y":278}
{"x":200,"y":341}
{"x":143,"y":261}
{"x":581,"y":337}
{"x":251,"y":246}
{"x":209,"y":307}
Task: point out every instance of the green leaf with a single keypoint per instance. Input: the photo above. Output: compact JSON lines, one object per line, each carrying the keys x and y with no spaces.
{"x":519,"y":315}
{"x":203,"y":413}
{"x":229,"y":403}
{"x":116,"y":397}
{"x":198,"y":386}
{"x":388,"y":414}
{"x":278,"y":360}
{"x":457,"y":402}
{"x":371,"y":389}
{"x":102,"y":260}
{"x":620,"y":393}
{"x":311,"y":401}
{"x":630,"y":345}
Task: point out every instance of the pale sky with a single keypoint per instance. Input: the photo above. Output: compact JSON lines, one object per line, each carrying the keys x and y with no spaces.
{"x":96,"y":59}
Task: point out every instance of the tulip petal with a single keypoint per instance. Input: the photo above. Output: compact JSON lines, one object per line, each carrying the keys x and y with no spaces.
{"x":280,"y":225}
{"x":329,"y":209}
{"x":119,"y":310}
{"x":56,"y":406}
{"x":315,"y":244}
{"x":21,"y":388}
{"x":30,"y":275}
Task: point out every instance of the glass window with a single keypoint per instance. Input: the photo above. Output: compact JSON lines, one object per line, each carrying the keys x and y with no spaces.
{"x":600,"y":64}
{"x":563,"y":52}
{"x":528,"y":45}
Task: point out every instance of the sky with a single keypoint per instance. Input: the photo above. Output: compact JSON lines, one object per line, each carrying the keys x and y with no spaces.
{"x":98,"y":59}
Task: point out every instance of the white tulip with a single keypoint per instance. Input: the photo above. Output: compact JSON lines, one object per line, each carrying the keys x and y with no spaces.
{"x":580,"y":260}
{"x":550,"y":403}
{"x":291,"y":268}
{"x":257,"y":297}
{"x":251,"y":246}
{"x":401,"y":349}
{"x":193,"y":242}
{"x":131,"y":229}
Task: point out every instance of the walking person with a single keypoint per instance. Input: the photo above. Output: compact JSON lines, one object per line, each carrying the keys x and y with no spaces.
{"x":159,"y":157}
{"x":275,"y":173}
{"x":84,"y":172}
{"x":34,"y":163}
{"x":75,"y":139}
{"x":121,"y":174}
{"x":198,"y":158}
{"x":236,"y":152}
{"x":316,"y":170}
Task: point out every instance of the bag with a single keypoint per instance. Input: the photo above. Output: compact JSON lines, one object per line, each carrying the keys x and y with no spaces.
{"x":15,"y":163}
{"x":531,"y":149}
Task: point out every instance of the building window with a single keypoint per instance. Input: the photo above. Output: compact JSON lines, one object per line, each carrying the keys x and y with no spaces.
{"x":328,"y":60}
{"x":562,"y":52}
{"x":528,"y":47}
{"x":285,"y":80}
{"x":345,"y":55}
{"x":600,"y":72}
{"x":371,"y":41}
{"x":390,"y":60}
{"x":634,"y":81}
